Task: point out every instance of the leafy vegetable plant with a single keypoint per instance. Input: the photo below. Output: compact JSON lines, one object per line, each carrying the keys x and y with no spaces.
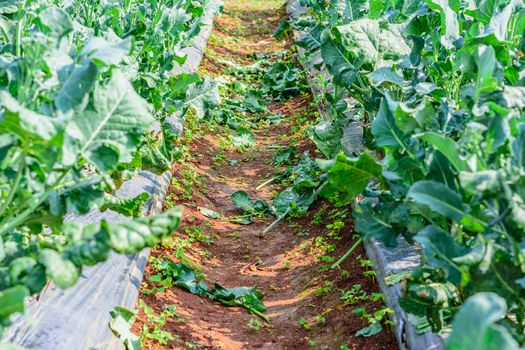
{"x":436,"y":95}
{"x":81,"y":83}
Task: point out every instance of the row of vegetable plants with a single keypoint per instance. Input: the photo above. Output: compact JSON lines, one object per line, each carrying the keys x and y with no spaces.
{"x":81,"y":83}
{"x":437,"y":88}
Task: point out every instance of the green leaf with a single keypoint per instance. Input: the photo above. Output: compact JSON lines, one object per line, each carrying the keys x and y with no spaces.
{"x":477,"y":253}
{"x":242,"y":201}
{"x":244,"y":138}
{"x":372,"y":42}
{"x":376,"y":9}
{"x":481,"y":181}
{"x":407,"y":119}
{"x":173,"y":21}
{"x":28,"y":272}
{"x":10,"y":6}
{"x":483,"y":10}
{"x":74,"y":91}
{"x":87,"y":243}
{"x":132,"y":236}
{"x":12,"y":300}
{"x":373,"y":221}
{"x":55,"y":22}
{"x":447,"y":147}
{"x":202,"y":96}
{"x":290,"y":200}
{"x":80,"y":199}
{"x":184,"y":277}
{"x":429,"y":302}
{"x":349,"y":177}
{"x":408,"y":169}
{"x":498,"y":274}
{"x":306,"y":175}
{"x":110,"y":53}
{"x":386,"y":75}
{"x":336,"y":58}
{"x":396,"y":278}
{"x":441,"y":170}
{"x":449,"y":22}
{"x":499,"y":22}
{"x":311,"y":41}
{"x":438,"y":198}
{"x":440,"y":250}
{"x":518,"y":149}
{"x":209,"y":213}
{"x":497,"y":134}
{"x":24,"y":123}
{"x":128,"y":207}
{"x":154,"y":155}
{"x":122,"y":321}
{"x":60,"y":270}
{"x":514,"y":97}
{"x":373,"y":329}
{"x":249,"y":298}
{"x":385,"y":129}
{"x":253,"y":104}
{"x":327,"y":137}
{"x":282,"y":81}
{"x":284,"y":156}
{"x":283,"y":29}
{"x":475,"y":327}
{"x":110,"y":132}
{"x":486,"y":81}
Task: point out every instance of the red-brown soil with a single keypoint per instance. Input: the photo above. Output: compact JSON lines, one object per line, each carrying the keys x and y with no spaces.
{"x":284,"y":264}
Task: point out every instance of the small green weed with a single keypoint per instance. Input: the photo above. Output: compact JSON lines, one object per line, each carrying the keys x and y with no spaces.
{"x":255,"y":324}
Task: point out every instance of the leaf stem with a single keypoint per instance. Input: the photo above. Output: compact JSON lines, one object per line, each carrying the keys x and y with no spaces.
{"x":14,"y":188}
{"x":19,"y":219}
{"x":19,"y":28}
{"x":260,"y":314}
{"x":276,"y":222}
{"x":265,"y":183}
{"x":509,"y":288}
{"x":347,"y":254}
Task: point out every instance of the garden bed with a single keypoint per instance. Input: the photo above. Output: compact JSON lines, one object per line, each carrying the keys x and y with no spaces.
{"x":78,"y":317}
{"x":386,"y":261}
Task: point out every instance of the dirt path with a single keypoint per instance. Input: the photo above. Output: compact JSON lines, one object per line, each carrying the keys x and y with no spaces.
{"x":290,"y":264}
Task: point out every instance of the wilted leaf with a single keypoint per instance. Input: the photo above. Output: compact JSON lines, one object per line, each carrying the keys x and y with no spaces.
{"x":373,"y":329}
{"x":122,"y":321}
{"x":209,"y":213}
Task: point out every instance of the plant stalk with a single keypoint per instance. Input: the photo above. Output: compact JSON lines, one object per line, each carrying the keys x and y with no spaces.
{"x":347,"y":254}
{"x":265,"y":183}
{"x":261,"y":315}
{"x":276,"y":222}
{"x":19,"y":219}
{"x":14,"y":188}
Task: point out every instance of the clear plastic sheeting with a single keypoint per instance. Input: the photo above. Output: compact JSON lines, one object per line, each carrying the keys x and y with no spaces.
{"x":78,"y":318}
{"x":386,"y":261}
